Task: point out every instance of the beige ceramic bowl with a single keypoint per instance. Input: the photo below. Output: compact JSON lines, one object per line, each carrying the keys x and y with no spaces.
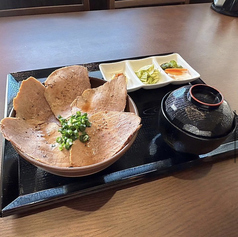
{"x":91,"y":169}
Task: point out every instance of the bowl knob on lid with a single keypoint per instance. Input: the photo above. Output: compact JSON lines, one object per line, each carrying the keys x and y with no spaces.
{"x":205,"y":97}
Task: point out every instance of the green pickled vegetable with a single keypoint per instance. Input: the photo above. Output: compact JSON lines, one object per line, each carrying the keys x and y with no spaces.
{"x":72,"y":129}
{"x":170,"y":64}
{"x":148,"y":74}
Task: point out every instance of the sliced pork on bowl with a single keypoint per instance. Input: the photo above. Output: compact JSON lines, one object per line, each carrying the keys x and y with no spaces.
{"x":70,"y":131}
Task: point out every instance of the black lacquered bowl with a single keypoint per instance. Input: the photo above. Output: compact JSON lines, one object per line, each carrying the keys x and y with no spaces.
{"x":173,"y":127}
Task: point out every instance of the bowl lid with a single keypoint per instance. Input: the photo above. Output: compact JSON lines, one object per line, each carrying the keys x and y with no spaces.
{"x":200,"y":110}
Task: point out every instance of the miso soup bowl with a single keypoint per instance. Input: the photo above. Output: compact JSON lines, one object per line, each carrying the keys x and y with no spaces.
{"x":178,"y":138}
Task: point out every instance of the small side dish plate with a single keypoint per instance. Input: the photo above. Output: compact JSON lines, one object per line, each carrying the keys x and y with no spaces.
{"x":129,"y":67}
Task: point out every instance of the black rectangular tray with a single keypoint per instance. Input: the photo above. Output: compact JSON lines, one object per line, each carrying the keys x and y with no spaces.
{"x":24,"y":187}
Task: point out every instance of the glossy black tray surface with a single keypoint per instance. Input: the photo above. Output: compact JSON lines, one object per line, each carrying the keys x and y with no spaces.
{"x":24,"y":187}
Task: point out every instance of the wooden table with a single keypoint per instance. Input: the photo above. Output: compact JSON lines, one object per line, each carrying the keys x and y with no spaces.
{"x":200,"y":201}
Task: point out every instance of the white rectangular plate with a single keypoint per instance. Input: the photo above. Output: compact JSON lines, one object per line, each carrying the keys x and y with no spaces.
{"x":129,"y":67}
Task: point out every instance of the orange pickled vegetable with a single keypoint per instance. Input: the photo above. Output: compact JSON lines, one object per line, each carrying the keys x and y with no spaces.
{"x":176,"y":71}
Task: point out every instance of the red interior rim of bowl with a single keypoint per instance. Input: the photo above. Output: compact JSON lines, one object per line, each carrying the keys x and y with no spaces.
{"x":205,"y":89}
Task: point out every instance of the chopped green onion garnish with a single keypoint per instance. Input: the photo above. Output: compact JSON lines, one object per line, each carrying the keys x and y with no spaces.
{"x":70,"y":129}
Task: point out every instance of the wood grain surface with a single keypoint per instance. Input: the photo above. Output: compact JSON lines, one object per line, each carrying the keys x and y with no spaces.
{"x":199,"y":201}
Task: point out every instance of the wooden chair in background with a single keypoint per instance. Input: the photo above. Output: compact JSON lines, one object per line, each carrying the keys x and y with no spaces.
{"x":137,"y":3}
{"x":30,"y":7}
